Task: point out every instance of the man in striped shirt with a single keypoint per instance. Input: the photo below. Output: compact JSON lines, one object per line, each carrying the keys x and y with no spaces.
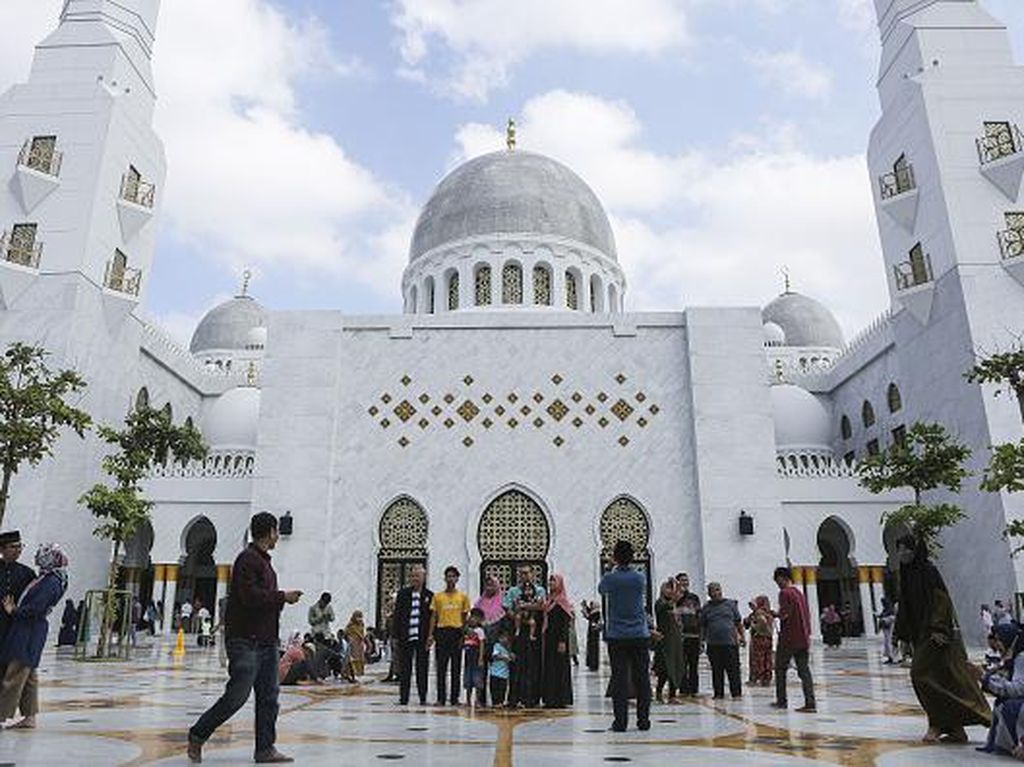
{"x":410,"y":627}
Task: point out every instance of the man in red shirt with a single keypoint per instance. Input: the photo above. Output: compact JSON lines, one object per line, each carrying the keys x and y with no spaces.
{"x":794,"y":641}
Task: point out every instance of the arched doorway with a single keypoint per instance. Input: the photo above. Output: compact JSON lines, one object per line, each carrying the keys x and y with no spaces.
{"x":513,"y":533}
{"x":837,"y":576}
{"x":137,"y":567}
{"x":198,"y":575}
{"x":403,"y":544}
{"x":624,"y":520}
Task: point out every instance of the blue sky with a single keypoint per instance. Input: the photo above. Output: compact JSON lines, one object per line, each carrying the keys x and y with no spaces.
{"x":726,"y":138}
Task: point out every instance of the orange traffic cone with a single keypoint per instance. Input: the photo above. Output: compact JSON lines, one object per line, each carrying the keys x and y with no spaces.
{"x":179,"y":647}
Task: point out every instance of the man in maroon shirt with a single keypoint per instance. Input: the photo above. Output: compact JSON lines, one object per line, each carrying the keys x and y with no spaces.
{"x":251,"y":628}
{"x":794,"y":641}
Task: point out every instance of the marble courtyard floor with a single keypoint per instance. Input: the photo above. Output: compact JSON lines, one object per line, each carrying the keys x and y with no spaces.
{"x":136,"y":713}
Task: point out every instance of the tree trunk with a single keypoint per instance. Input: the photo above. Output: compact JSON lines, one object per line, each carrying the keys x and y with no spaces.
{"x":1020,"y":402}
{"x":108,"y":604}
{"x":5,"y":488}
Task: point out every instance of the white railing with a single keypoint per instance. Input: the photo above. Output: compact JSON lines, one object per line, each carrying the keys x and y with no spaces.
{"x":1011,"y":242}
{"x":812,"y":465}
{"x":221,"y":464}
{"x":122,"y":279}
{"x":897,"y":182}
{"x":996,"y":146}
{"x":137,"y":192}
{"x":36,"y":158}
{"x":910,"y":274}
{"x":20,"y":254}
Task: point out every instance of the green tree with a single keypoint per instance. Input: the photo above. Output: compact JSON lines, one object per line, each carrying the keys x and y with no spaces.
{"x":148,"y":439}
{"x":1005,"y":370}
{"x":34,"y":411}
{"x":929,"y":458}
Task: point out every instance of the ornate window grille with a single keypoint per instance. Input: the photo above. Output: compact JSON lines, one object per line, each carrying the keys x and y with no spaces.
{"x":844,"y":427}
{"x":541,"y":286}
{"x":135,"y":190}
{"x":40,"y":154}
{"x":624,"y":520}
{"x":1011,"y":239}
{"x":894,"y":398}
{"x":867,"y":414}
{"x":483,"y":286}
{"x":1001,"y":139}
{"x":915,"y":271}
{"x":572,"y":294}
{"x":513,"y":532}
{"x":19,"y":246}
{"x":512,"y":284}
{"x":120,"y":278}
{"x":403,"y":545}
{"x":453,"y":292}
{"x":901,"y":179}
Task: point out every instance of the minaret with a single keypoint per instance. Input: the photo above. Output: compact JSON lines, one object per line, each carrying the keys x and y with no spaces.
{"x":86,"y":168}
{"x":946,"y":159}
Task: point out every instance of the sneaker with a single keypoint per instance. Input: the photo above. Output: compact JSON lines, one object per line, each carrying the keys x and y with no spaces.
{"x":617,"y":728}
{"x":807,"y":710}
{"x":195,"y":751}
{"x":643,"y":726}
{"x":273,"y":756}
{"x":779,"y":704}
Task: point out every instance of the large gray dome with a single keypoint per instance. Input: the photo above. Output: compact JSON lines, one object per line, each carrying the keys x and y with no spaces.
{"x":804,"y":321}
{"x":512,"y":193}
{"x":228,"y":326}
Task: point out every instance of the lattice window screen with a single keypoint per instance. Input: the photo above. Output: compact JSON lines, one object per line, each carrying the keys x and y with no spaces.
{"x":512,"y":284}
{"x":541,"y":286}
{"x":483,"y":286}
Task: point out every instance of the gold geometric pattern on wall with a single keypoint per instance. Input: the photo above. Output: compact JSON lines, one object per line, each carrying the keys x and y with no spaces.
{"x":620,"y":412}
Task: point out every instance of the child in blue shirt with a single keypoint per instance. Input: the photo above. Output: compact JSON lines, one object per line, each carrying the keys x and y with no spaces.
{"x":500,"y":658}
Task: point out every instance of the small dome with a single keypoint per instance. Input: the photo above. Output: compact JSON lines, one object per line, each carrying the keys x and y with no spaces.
{"x":804,"y":321}
{"x":774,"y":335}
{"x":226,"y":327}
{"x":233,"y":419}
{"x":257,"y":338}
{"x":512,"y":193}
{"x":801,"y":421}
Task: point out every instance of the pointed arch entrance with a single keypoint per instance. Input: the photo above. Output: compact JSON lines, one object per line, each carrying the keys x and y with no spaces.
{"x":403,"y":545}
{"x":513,"y":533}
{"x":624,"y":520}
{"x":198,"y":575}
{"x":837,"y":575}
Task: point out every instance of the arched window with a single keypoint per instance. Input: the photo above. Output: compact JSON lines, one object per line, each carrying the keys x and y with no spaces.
{"x":867,"y":414}
{"x":142,"y":399}
{"x":428,"y":296}
{"x":512,"y":284}
{"x":453,"y":291}
{"x":168,"y":411}
{"x":541,"y":285}
{"x":403,"y":545}
{"x":513,"y":533}
{"x":894,"y":398}
{"x":596,"y":294}
{"x":844,"y":427}
{"x":624,"y":520}
{"x":572,"y":291}
{"x":483,"y":285}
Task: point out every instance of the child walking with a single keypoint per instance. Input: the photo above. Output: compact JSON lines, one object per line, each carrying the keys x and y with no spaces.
{"x":473,"y":656}
{"x":501,"y":656}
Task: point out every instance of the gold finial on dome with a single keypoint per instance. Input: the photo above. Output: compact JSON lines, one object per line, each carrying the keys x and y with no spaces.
{"x":510,"y":135}
{"x":786,"y":280}
{"x":251,"y":376}
{"x":246,"y":279}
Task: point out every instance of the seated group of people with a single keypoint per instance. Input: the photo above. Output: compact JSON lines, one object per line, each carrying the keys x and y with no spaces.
{"x":1003,"y":677}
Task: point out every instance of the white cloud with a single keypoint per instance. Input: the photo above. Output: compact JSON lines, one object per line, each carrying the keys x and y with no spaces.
{"x":703,"y":227}
{"x":487,"y":38}
{"x":248,"y":183}
{"x":792,"y":73}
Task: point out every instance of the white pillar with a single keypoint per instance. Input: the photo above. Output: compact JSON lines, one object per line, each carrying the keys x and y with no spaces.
{"x":866,"y":608}
{"x":170,"y":595}
{"x":811,"y":592}
{"x":158,"y":587}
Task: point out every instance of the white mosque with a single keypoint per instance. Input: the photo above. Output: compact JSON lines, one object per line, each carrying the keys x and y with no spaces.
{"x":516,"y":412}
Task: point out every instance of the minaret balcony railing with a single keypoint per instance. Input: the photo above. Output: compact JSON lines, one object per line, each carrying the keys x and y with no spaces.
{"x":41,"y":158}
{"x":898,"y":182}
{"x":1000,"y":144}
{"x":913,"y":273}
{"x":20,"y":253}
{"x":137,"y":192}
{"x":1011,"y":243}
{"x":122,"y":279}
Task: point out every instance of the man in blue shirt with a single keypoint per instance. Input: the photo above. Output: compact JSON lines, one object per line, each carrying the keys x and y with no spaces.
{"x":628,"y":635}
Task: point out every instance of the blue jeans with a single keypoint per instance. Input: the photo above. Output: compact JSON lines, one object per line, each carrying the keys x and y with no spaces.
{"x":250,"y":666}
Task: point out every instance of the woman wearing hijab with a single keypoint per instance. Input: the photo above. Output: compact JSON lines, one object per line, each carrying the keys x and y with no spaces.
{"x":355,"y":633}
{"x":68,"y":635}
{"x":556,"y":685}
{"x":762,"y":628}
{"x":668,"y":653}
{"x":592,"y":615}
{"x":940,"y":674}
{"x":23,"y":646}
{"x":1006,"y":683}
{"x":492,"y":604}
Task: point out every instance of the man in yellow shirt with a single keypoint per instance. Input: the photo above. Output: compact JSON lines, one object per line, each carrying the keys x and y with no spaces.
{"x":448,"y":613}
